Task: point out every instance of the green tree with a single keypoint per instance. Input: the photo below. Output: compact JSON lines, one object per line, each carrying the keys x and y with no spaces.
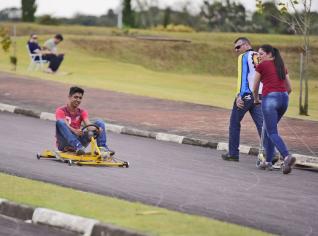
{"x":235,"y":16}
{"x":268,"y":20}
{"x":214,"y":13}
{"x":5,"y":39}
{"x":224,"y":15}
{"x":47,"y":20}
{"x":128,"y":14}
{"x":28,"y":10}
{"x":110,"y":19}
{"x":167,"y":17}
{"x":6,"y":42}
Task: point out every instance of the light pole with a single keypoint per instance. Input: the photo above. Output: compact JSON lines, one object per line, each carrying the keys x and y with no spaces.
{"x":120,"y":15}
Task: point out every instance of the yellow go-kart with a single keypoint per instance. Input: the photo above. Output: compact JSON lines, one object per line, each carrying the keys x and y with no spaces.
{"x":92,"y":158}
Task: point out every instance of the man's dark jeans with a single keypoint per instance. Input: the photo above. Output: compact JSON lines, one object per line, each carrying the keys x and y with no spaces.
{"x":235,"y":123}
{"x":55,"y":61}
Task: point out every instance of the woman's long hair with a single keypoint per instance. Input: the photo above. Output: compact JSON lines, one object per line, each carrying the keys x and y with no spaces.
{"x":278,"y":60}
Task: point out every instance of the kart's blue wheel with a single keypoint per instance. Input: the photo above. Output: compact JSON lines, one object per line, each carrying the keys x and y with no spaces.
{"x":38,"y":156}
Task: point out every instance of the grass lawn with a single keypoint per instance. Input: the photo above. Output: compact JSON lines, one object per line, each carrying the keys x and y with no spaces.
{"x":99,"y":72}
{"x":136,"y":216}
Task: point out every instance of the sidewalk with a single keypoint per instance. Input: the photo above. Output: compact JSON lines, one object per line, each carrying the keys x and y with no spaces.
{"x":181,"y":118}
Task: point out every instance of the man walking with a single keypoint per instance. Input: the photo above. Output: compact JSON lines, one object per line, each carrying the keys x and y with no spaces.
{"x":244,"y":101}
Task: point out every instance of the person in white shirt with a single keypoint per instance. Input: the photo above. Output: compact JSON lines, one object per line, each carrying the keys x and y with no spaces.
{"x":51,"y":46}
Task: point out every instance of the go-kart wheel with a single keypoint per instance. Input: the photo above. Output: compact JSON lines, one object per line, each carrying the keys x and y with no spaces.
{"x":126,"y":164}
{"x":70,"y":162}
{"x":91,"y":133}
{"x":38,"y":156}
{"x":258,"y":163}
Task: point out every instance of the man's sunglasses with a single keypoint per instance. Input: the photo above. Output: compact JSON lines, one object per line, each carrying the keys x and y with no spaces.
{"x":238,"y":46}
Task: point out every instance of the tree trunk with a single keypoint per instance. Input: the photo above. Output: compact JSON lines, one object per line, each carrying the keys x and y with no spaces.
{"x":301,"y":76}
{"x":306,"y":64}
{"x":306,"y":84}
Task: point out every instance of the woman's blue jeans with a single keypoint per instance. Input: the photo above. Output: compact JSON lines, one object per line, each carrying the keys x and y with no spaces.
{"x":274,"y":106}
{"x":66,"y":139}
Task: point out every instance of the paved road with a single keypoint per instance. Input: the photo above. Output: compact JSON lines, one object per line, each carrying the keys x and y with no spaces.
{"x":180,"y":177}
{"x":13,"y":227}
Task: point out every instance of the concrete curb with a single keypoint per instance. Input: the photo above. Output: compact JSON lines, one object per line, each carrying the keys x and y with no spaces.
{"x":104,"y":229}
{"x":221,"y":146}
{"x":65,"y":221}
{"x":14,"y":210}
{"x":78,"y":224}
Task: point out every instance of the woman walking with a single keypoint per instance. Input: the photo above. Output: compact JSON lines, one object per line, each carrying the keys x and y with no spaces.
{"x":276,"y":86}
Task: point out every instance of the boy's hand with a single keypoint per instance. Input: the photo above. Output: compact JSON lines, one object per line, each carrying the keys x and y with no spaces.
{"x":78,"y":132}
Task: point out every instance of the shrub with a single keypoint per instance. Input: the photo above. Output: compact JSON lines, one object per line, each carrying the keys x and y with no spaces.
{"x":5,"y":39}
{"x":174,"y":28}
{"x":47,"y":20}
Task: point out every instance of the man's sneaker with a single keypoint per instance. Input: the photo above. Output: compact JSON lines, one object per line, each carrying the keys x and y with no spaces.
{"x":106,"y":152}
{"x":80,"y":151}
{"x":227,"y":157}
{"x":289,"y":161}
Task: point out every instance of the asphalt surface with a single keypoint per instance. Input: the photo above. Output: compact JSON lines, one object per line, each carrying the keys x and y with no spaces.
{"x":179,"y":177}
{"x":13,"y":227}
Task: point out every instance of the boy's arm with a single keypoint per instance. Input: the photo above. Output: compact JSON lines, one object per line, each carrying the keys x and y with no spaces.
{"x":88,"y":122}
{"x":85,"y":119}
{"x":60,"y":115}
